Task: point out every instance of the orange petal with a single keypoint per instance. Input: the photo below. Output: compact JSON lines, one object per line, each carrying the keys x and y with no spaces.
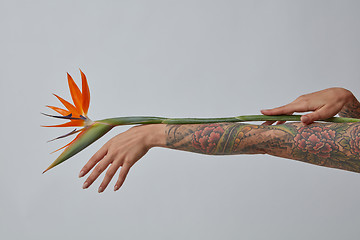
{"x":85,"y":93}
{"x":69,"y":142}
{"x":60,"y":110}
{"x":69,"y":106}
{"x":73,"y":123}
{"x":75,"y":93}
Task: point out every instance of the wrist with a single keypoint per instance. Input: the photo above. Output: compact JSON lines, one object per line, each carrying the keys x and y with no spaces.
{"x":154,"y":135}
{"x":346,"y":95}
{"x":350,"y":100}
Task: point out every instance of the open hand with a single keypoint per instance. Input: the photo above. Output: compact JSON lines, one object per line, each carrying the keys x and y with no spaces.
{"x":324,"y":104}
{"x":123,"y":150}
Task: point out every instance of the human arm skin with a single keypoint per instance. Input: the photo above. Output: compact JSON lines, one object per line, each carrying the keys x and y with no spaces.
{"x":351,"y":108}
{"x":324,"y":104}
{"x":335,"y":145}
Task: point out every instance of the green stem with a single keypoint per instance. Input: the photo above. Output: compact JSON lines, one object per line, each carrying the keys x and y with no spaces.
{"x":100,"y":128}
{"x":247,"y":118}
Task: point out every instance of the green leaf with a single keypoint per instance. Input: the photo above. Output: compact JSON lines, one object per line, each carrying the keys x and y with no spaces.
{"x":90,"y":135}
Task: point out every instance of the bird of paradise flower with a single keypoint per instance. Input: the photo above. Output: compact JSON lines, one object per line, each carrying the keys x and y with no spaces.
{"x":91,"y":131}
{"x":77,"y":114}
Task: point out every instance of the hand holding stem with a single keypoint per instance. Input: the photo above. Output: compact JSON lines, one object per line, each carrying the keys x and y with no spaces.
{"x":324,"y":104}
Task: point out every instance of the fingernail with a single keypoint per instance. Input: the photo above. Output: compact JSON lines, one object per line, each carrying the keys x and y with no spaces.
{"x":100,"y":189}
{"x":81,"y":174}
{"x":86,"y":185}
{"x":116,"y":188}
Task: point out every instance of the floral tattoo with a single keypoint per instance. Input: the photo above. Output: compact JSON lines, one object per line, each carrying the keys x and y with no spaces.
{"x":335,"y":145}
{"x":316,"y":140}
{"x":206,"y":138}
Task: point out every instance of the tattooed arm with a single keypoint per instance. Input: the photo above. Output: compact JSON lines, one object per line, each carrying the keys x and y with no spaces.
{"x":327,"y":144}
{"x":335,"y":145}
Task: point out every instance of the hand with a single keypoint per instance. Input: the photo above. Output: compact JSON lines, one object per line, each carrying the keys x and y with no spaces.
{"x":324,"y":104}
{"x":123,"y":150}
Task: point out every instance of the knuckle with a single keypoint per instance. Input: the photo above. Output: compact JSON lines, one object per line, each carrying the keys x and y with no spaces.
{"x":303,"y":105}
{"x":299,"y":99}
{"x":93,"y":158}
{"x":98,"y":169}
{"x":110,"y":173}
{"x":97,"y":155}
{"x":127,"y":163}
{"x":110,"y":155}
{"x":320,"y":115}
{"x":109,"y":143}
{"x":313,"y":116}
{"x":302,"y":97}
{"x":304,"y":100}
{"x":279,"y":108}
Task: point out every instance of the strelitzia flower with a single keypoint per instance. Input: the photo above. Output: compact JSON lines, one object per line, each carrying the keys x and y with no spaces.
{"x":76,"y":113}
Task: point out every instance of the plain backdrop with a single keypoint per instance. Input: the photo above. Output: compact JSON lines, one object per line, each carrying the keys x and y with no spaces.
{"x":175,"y":59}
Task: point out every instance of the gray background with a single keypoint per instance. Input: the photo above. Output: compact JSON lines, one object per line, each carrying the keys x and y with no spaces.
{"x":175,"y":59}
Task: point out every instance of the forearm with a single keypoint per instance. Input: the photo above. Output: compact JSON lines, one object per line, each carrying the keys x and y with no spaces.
{"x":327,"y":144}
{"x":216,"y":138}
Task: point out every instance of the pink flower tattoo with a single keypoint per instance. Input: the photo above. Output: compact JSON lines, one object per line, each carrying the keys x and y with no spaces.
{"x":316,"y":140}
{"x":355,"y":140}
{"x":207,"y":138}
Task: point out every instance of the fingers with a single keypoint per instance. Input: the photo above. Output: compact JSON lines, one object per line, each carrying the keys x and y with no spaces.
{"x":268,"y":123}
{"x":320,"y":114}
{"x":93,"y":161}
{"x":109,"y":175}
{"x":124,"y":150}
{"x":272,"y":122}
{"x":287,"y":109}
{"x":123,"y":173}
{"x":325,"y":104}
{"x":97,"y":171}
{"x":283,"y":110}
{"x":115,"y":164}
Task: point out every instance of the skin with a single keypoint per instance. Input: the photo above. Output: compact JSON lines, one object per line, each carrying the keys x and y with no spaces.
{"x":323,"y":104}
{"x":335,"y":145}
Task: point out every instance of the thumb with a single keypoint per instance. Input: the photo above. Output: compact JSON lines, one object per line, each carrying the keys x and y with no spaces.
{"x":320,"y":114}
{"x":311,"y":117}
